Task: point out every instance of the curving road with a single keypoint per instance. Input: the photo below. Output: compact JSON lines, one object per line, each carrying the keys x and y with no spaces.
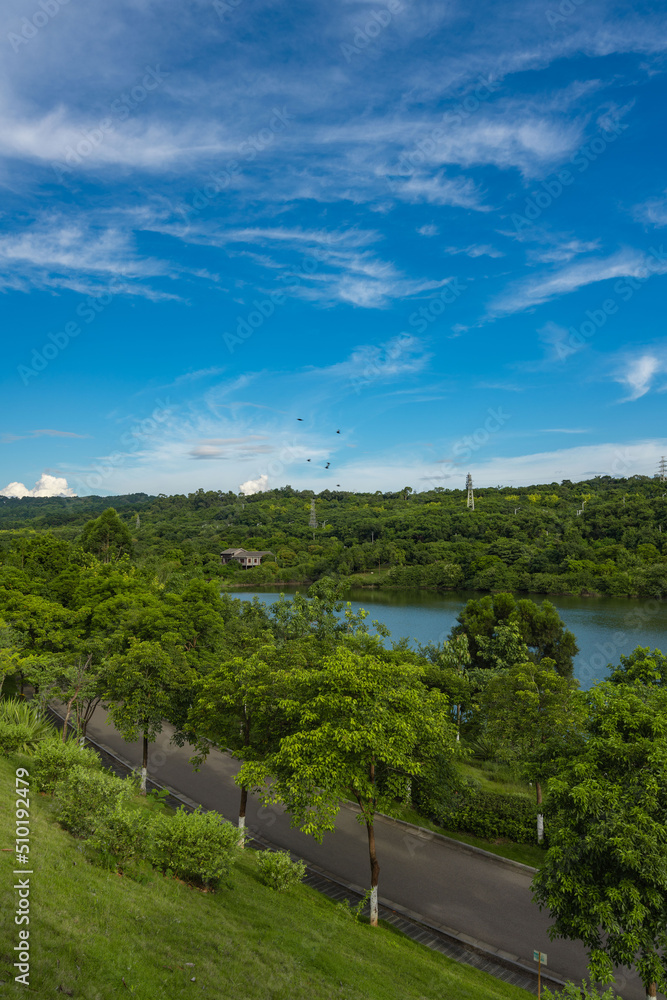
{"x":475,"y":895}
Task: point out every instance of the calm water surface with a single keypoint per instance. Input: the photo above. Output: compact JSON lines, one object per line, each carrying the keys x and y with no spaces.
{"x":605,"y":627}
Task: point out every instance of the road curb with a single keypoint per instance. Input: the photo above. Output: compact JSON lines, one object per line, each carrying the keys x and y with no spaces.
{"x":487,"y":952}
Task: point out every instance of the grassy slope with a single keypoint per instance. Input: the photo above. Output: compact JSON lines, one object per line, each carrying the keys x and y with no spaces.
{"x":91,"y":929}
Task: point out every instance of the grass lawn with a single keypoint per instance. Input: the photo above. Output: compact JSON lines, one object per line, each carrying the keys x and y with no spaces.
{"x":496,"y":778}
{"x":96,"y":935}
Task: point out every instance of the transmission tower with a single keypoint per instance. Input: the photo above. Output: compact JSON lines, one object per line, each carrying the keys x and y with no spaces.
{"x":471,"y":497}
{"x":312,"y":521}
{"x":662,"y":469}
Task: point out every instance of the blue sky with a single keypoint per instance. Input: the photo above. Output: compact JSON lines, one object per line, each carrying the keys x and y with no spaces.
{"x":438,"y":229}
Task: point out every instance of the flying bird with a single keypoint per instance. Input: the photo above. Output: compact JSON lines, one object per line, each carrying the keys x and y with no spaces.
{"x":308,"y":460}
{"x":300,"y":418}
{"x":337,"y":432}
{"x":327,"y":465}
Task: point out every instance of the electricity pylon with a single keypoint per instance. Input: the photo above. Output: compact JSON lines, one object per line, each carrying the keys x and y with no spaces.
{"x":471,"y":496}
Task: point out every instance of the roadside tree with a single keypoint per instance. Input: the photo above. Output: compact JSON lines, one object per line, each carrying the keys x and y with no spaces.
{"x":362,"y":729}
{"x":605,"y":875}
{"x":534,"y":717}
{"x":142,"y":684}
{"x":235,"y":707}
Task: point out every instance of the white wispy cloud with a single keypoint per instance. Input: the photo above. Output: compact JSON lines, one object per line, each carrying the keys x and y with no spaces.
{"x":563,"y":251}
{"x":460,"y":192}
{"x":653,"y":211}
{"x":638,"y":373}
{"x":542,"y":288}
{"x":58,"y":252}
{"x":475,"y":250}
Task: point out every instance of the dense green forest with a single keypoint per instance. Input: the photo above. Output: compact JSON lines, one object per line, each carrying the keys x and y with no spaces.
{"x":600,"y":536}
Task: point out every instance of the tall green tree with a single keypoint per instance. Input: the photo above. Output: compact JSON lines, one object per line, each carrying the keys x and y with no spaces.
{"x":141,"y":685}
{"x":534,"y":717}
{"x":540,"y":627}
{"x":107,"y":537}
{"x":604,"y":879}
{"x":235,"y":707}
{"x":449,"y":672}
{"x":640,"y":666}
{"x":362,"y":728}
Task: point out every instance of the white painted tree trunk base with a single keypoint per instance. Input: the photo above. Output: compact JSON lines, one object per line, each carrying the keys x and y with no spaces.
{"x":144,"y":774}
{"x":540,"y":828}
{"x":241,"y":827}
{"x":374,"y":906}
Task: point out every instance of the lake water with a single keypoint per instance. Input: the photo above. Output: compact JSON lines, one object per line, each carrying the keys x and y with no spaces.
{"x":605,"y":627}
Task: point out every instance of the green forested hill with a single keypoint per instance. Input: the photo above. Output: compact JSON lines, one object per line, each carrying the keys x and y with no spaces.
{"x":533,"y":538}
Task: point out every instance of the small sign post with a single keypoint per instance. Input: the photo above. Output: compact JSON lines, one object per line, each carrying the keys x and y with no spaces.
{"x":539,"y":957}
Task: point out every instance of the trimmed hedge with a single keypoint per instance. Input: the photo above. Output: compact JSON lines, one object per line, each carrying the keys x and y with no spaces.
{"x":490,"y":815}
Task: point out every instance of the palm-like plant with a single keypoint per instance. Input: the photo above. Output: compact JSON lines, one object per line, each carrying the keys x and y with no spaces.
{"x":22,"y":726}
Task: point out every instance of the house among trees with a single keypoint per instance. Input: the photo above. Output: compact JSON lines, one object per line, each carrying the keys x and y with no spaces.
{"x":246,"y":558}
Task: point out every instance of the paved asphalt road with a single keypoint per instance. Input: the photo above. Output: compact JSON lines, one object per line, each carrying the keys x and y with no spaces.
{"x":468,"y":893}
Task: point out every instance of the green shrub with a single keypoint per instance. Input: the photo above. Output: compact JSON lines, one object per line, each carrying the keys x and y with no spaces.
{"x":84,"y":797}
{"x":196,"y":847}
{"x":120,"y":834}
{"x":278,"y":871}
{"x":53,"y":760}
{"x":13,"y":737}
{"x":490,"y":815}
{"x":583,"y":992}
{"x":22,"y":726}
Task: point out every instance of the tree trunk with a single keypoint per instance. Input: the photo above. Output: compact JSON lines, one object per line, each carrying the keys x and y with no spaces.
{"x":375,"y":873}
{"x":458,"y":723}
{"x":375,"y":868}
{"x":242,"y":805}
{"x":67,"y":715}
{"x":540,"y":818}
{"x":651,"y":992}
{"x":144,"y":766}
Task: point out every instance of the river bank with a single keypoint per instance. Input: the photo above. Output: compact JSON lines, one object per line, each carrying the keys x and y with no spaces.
{"x":380,"y":581}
